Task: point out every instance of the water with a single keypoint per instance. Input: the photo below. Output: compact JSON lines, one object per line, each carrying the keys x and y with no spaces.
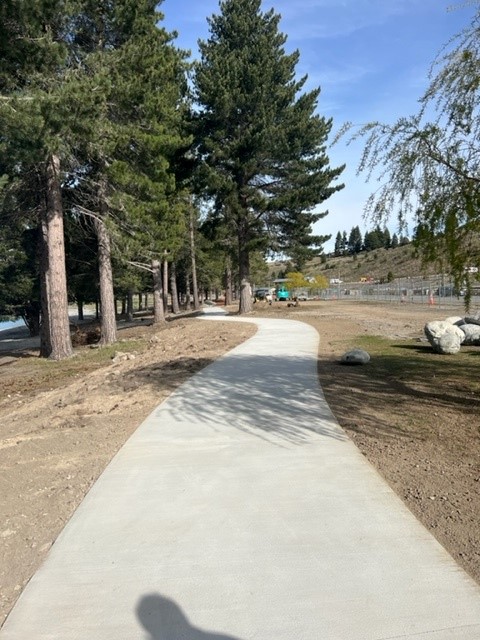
{"x":11,"y":324}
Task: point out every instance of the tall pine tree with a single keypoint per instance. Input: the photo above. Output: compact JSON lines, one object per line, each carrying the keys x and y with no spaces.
{"x":262,"y":144}
{"x":355,"y":240}
{"x":35,"y":114}
{"x":127,"y":180}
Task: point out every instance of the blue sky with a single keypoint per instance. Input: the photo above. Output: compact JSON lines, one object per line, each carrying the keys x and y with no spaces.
{"x":371,"y":59}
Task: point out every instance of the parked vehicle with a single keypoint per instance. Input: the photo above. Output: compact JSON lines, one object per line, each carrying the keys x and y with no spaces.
{"x":282,"y":294}
{"x":449,"y":291}
{"x":262,"y":292}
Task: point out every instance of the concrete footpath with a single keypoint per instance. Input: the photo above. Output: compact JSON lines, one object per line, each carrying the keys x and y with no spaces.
{"x":239,"y":510}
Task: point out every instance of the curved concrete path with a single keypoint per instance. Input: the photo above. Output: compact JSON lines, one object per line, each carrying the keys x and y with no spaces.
{"x":239,"y":510}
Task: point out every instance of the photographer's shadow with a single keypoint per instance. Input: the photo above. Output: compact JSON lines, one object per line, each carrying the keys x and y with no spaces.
{"x":164,"y":620}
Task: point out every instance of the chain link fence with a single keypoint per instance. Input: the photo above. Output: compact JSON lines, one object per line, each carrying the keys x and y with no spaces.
{"x":434,"y":290}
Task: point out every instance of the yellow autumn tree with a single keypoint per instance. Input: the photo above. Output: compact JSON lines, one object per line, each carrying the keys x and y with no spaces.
{"x":319,"y":282}
{"x":296,"y":280}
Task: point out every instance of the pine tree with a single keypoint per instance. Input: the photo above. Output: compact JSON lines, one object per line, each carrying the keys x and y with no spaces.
{"x":90,"y":111}
{"x":387,"y":239}
{"x":34,"y":119}
{"x":19,"y":286}
{"x":129,"y":185}
{"x":338,"y":244}
{"x":262,"y":145}
{"x":374,"y":239}
{"x":367,"y":241}
{"x":355,"y":240}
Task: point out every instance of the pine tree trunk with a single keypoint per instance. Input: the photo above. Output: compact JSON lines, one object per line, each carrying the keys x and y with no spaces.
{"x":55,"y":340}
{"x":228,"y":282}
{"x":158,"y":310}
{"x":245,"y":305}
{"x":196,"y":301}
{"x":130,"y":305}
{"x":188,"y":304}
{"x":173,"y":288}
{"x":31,"y":317}
{"x":165,"y":286}
{"x":80,"y":313}
{"x":108,"y":323}
{"x":140,"y":302}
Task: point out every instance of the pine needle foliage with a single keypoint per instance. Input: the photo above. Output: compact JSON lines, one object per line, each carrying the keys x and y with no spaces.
{"x":260,"y":138}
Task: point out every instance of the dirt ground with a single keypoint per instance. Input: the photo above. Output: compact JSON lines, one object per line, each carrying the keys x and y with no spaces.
{"x":59,"y":431}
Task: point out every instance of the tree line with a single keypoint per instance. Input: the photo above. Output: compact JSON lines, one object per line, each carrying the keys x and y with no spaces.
{"x":125,"y":167}
{"x":377,"y":238}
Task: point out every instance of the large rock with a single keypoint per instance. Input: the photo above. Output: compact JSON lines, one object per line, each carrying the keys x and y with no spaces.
{"x":444,"y":336}
{"x":449,"y":343}
{"x":473,"y":319}
{"x":356,"y":356}
{"x":455,"y":320}
{"x":472,"y":333}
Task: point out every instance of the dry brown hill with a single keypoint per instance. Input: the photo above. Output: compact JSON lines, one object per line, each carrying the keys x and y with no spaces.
{"x":400,"y":262}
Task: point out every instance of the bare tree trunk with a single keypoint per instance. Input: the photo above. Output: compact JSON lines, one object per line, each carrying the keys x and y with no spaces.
{"x":173,"y":288}
{"x":228,"y":282}
{"x":80,"y":309}
{"x":188,"y":304}
{"x":31,"y":317}
{"x":158,"y":310}
{"x":165,"y":285}
{"x":55,"y":340}
{"x":108,"y":323}
{"x":130,"y":305}
{"x":245,"y":305}
{"x":140,"y":302}
{"x":196,"y":301}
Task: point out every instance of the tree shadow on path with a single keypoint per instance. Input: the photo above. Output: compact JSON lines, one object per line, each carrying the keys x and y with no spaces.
{"x":264,"y":396}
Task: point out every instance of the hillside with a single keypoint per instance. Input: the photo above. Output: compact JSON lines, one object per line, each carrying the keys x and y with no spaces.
{"x":377,"y":264}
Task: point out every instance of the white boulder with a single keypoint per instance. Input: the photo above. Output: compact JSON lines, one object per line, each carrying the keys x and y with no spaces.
{"x":472,"y":333}
{"x":473,"y":319}
{"x":449,"y":343}
{"x":455,"y":320}
{"x":356,"y":356}
{"x":444,"y":336}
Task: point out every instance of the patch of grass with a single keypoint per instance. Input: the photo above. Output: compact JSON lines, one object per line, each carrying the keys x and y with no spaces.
{"x":418,"y":363}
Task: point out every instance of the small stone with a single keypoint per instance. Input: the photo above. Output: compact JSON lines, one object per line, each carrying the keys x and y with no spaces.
{"x":355,"y":356}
